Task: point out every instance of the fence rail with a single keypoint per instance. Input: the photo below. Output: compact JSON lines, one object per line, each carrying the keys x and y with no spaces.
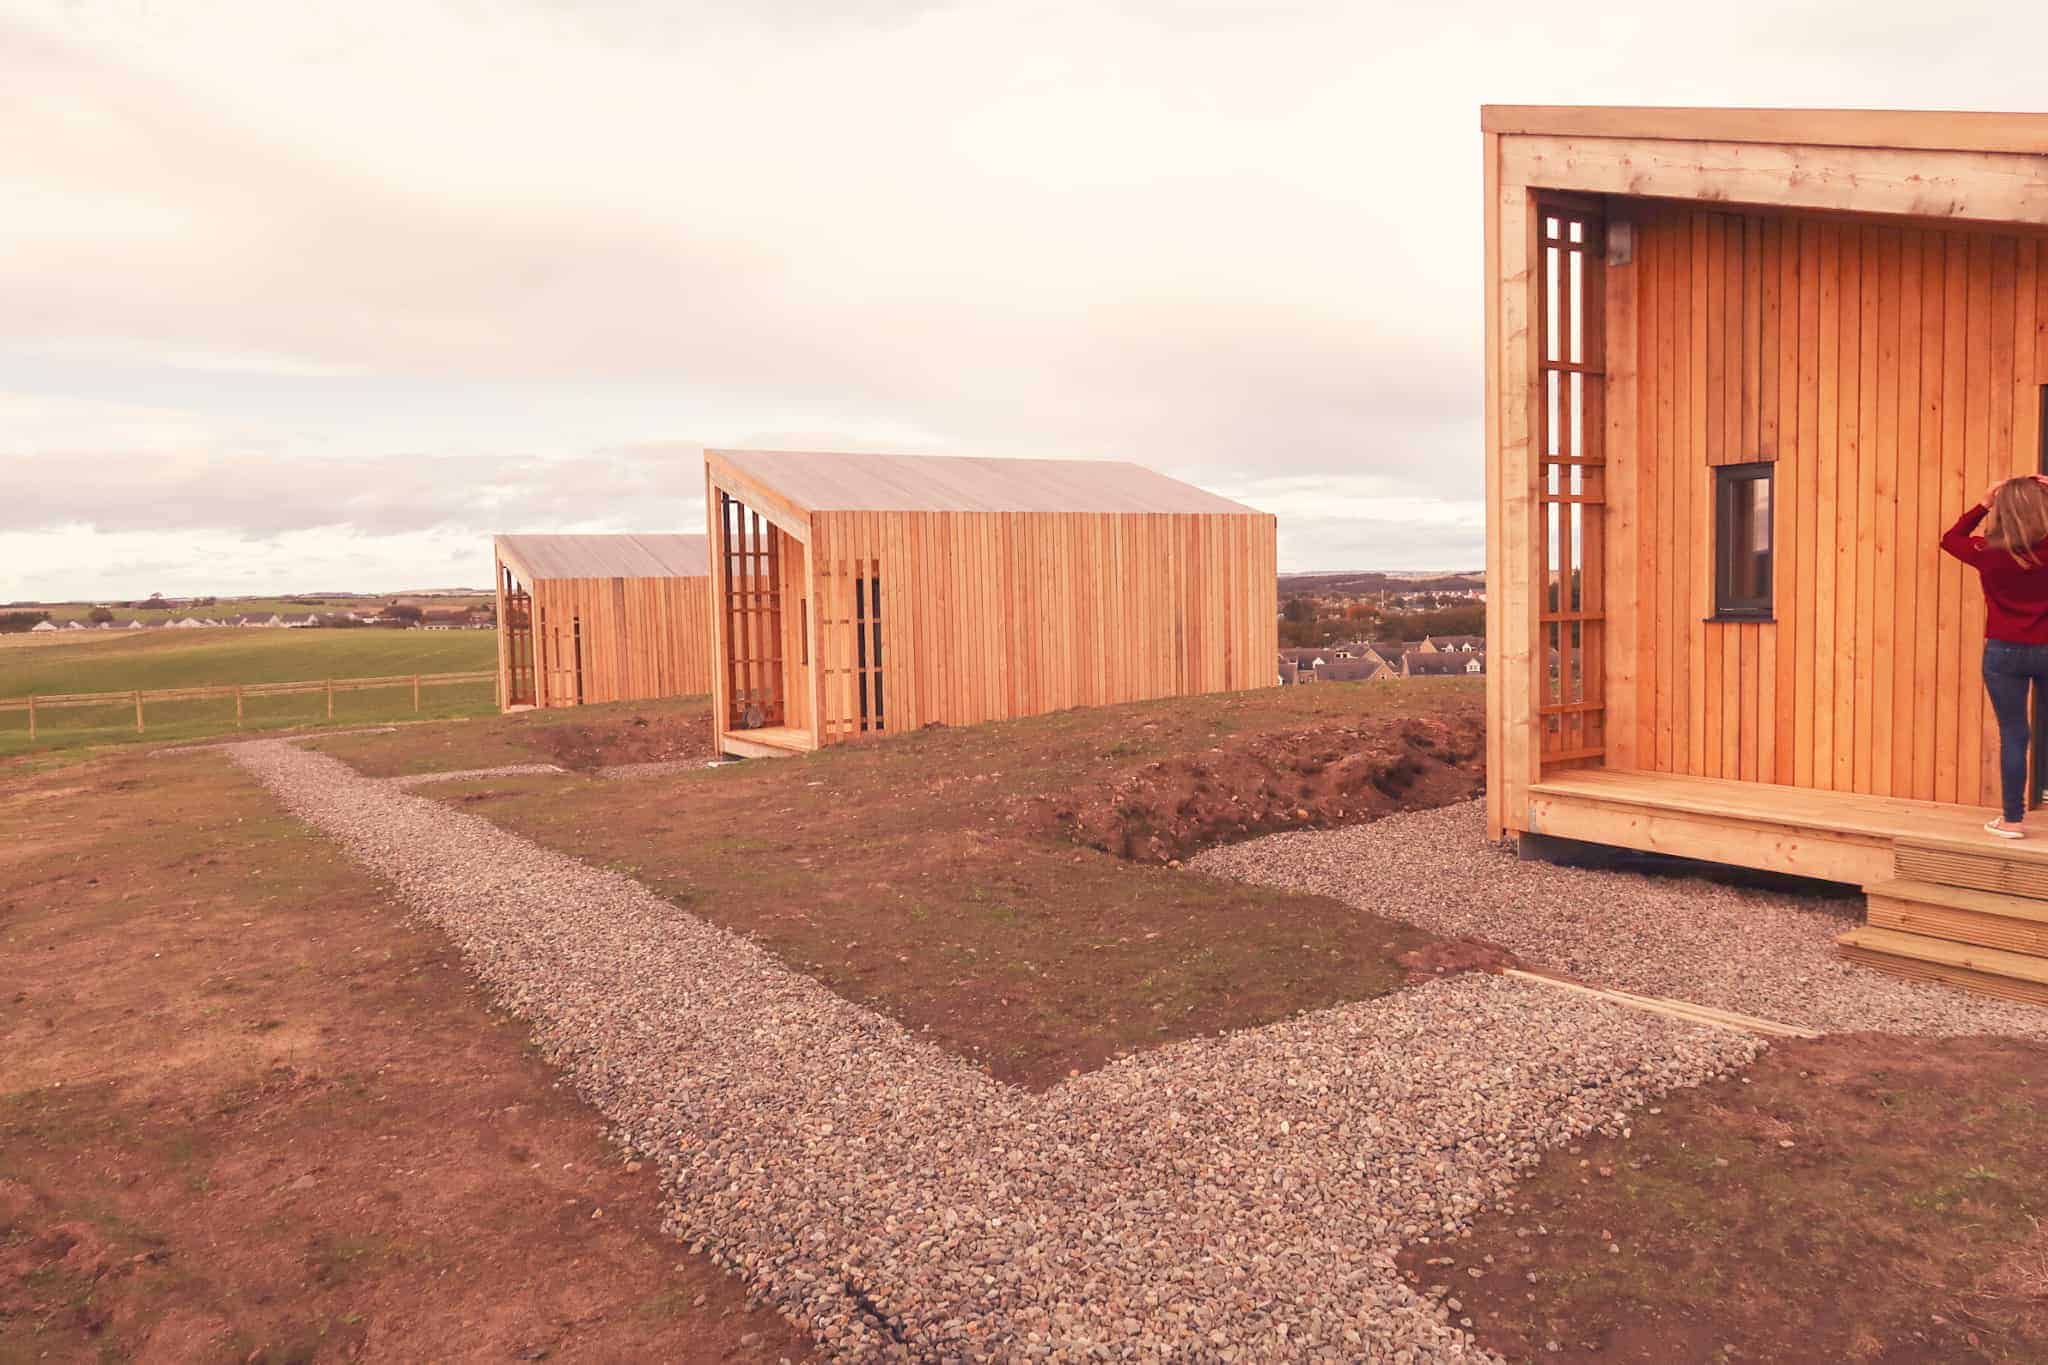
{"x":240,"y":692}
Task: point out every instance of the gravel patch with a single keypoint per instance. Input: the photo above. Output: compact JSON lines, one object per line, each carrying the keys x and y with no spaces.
{"x":656,"y":768}
{"x":1229,"y":1198}
{"x":1757,"y":952}
{"x":459,"y":774}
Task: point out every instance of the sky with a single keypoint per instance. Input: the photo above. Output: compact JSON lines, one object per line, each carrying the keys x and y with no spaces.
{"x":299,"y":297}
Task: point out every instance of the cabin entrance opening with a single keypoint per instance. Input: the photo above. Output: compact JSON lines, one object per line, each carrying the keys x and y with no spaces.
{"x":755,"y":696}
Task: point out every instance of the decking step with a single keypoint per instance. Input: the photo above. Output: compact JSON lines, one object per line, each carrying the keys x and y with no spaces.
{"x":1986,"y":971}
{"x":1960,"y":915}
{"x":2013,"y":868}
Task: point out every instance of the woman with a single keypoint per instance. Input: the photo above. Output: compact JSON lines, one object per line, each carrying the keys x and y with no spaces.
{"x":2005,"y":539}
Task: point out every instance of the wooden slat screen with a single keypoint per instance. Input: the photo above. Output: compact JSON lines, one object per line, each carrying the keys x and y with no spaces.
{"x":753,"y":615}
{"x":518,"y":628}
{"x":1571,"y":487}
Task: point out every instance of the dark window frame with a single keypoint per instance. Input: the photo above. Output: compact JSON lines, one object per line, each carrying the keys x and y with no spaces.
{"x":1728,"y":479}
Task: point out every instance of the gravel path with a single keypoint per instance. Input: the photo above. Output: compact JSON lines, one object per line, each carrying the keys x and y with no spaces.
{"x":1229,"y":1198}
{"x":459,"y":774}
{"x":1757,"y":952}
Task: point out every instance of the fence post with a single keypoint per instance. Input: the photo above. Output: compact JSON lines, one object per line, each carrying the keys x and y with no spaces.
{"x":415,"y":693}
{"x":238,"y":706}
{"x":31,"y":718}
{"x":138,"y":710}
{"x":330,"y":699}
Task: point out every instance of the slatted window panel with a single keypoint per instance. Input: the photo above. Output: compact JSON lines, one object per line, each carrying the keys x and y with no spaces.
{"x":518,"y":626}
{"x":753,"y":616}
{"x":1571,"y":488}
{"x":850,"y":622}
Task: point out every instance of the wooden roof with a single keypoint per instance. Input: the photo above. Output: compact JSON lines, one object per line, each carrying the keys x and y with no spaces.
{"x":1916,"y":130}
{"x":819,"y":481}
{"x":632,"y":556}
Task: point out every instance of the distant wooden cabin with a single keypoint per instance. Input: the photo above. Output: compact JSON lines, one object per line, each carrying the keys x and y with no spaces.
{"x":866,"y":595}
{"x":1743,"y":368}
{"x":601,"y":618}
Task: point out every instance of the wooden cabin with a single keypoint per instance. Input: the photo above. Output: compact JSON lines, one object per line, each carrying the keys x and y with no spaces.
{"x":1743,"y":367}
{"x":865,"y":595}
{"x":601,"y":618}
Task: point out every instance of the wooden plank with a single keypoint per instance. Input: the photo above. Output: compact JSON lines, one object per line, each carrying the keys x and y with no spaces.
{"x":1977,"y":473}
{"x":1849,"y":521}
{"x":1622,"y":486}
{"x":1515,"y":671}
{"x":1955,"y":478}
{"x":2024,"y":133}
{"x":1914,"y":545}
{"x":1870,"y":511}
{"x":1828,"y":854}
{"x":1935,"y":567}
{"x":1985,"y":187}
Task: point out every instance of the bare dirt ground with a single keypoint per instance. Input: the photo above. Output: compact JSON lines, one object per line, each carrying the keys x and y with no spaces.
{"x":1335,"y":773}
{"x":582,"y":739}
{"x":933,"y":878}
{"x":1860,"y":1198}
{"x":248,"y":1112}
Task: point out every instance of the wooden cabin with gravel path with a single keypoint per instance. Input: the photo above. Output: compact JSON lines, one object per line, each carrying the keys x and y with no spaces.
{"x":1742,"y":368}
{"x":860,"y":596}
{"x":586,"y":619}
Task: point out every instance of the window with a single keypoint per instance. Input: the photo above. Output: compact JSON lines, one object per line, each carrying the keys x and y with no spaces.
{"x":1742,"y":542}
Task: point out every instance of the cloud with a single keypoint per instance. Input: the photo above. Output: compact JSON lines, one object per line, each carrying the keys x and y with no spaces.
{"x":402,"y":264}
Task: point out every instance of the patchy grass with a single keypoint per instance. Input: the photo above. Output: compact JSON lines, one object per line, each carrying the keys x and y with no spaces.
{"x":1859,"y":1198}
{"x":582,"y":738}
{"x":249,"y":1113}
{"x":118,"y":661}
{"x":931,"y":876}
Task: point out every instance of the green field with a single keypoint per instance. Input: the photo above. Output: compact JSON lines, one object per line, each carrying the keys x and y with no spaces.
{"x":290,"y":608}
{"x":128,"y":661}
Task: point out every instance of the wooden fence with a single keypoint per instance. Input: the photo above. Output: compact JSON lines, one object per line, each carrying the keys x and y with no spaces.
{"x":239,"y":691}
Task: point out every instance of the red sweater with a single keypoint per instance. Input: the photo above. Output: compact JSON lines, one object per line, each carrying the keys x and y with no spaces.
{"x":2015,"y":596}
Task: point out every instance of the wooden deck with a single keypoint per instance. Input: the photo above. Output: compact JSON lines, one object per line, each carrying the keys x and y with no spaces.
{"x":1946,"y":901}
{"x":773,"y":741}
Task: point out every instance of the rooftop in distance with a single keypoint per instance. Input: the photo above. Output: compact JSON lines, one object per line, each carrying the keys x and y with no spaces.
{"x":620,"y":556}
{"x":819,"y":481}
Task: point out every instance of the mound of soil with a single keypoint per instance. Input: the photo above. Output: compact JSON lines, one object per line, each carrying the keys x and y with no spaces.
{"x":652,"y":737}
{"x":1334,"y":774}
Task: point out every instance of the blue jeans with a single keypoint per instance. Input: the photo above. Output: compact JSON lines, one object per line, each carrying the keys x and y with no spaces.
{"x":2008,"y":669}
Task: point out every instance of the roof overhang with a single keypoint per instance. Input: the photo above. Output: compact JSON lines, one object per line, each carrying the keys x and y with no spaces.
{"x":1988,"y":169}
{"x":1895,"y":129}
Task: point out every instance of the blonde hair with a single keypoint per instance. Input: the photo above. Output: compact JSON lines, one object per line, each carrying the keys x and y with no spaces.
{"x":2018,"y":520}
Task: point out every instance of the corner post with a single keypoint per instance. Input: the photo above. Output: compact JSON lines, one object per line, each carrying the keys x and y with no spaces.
{"x":1515,"y":586}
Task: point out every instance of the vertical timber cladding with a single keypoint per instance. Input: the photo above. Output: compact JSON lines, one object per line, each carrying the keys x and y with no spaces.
{"x":962,"y":617}
{"x":1571,"y":487}
{"x":1891,"y":369}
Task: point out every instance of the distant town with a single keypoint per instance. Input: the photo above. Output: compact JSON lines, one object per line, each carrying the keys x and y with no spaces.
{"x":1366,"y":626}
{"x":426,"y":609}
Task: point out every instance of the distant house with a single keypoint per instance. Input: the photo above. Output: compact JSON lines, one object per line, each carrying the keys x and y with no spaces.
{"x":1453,"y":644}
{"x":74,"y":625}
{"x":310,"y":620}
{"x":134,"y":623}
{"x":44,"y":625}
{"x":1354,"y":670}
{"x":1417,"y":663}
{"x":1289,"y":672}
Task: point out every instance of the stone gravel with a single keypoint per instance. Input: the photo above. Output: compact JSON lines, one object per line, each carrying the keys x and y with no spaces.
{"x":1761,"y":953}
{"x":1227,"y":1198}
{"x":461,"y":774}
